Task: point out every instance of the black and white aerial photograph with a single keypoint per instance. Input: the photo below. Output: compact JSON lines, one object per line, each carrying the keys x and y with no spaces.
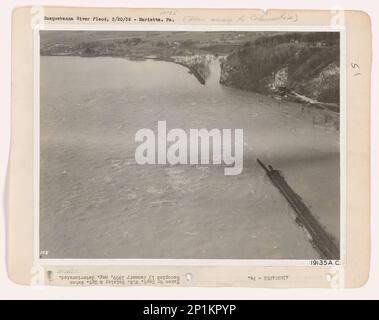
{"x":204,"y":145}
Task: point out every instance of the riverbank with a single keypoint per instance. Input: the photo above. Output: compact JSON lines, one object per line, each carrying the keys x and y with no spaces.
{"x":297,"y":67}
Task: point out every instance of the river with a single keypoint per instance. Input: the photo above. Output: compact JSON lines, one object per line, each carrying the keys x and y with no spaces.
{"x":96,"y":202}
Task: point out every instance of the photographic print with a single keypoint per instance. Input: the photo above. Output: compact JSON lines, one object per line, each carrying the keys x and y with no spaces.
{"x":189,"y":145}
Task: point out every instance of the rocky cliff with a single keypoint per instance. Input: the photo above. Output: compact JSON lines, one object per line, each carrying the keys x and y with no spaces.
{"x":304,"y":63}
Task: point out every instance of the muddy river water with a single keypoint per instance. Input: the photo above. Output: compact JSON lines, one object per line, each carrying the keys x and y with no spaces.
{"x":97,"y":202}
